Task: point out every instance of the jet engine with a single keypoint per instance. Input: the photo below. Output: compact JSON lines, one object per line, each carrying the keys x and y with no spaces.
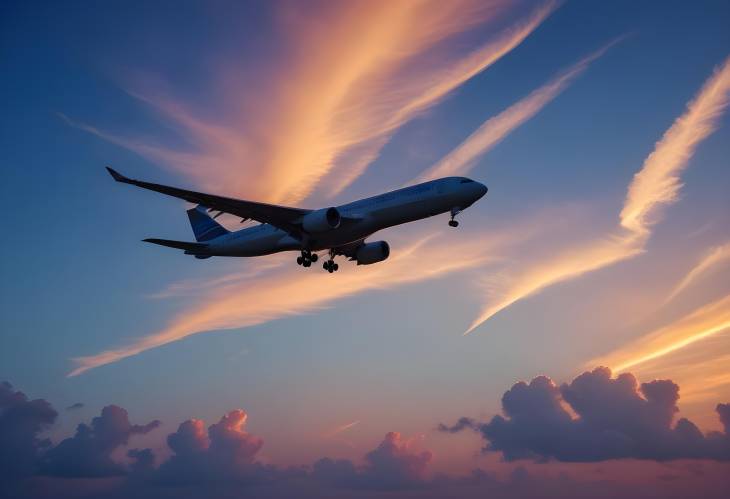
{"x":370,"y":253}
{"x":321,"y":220}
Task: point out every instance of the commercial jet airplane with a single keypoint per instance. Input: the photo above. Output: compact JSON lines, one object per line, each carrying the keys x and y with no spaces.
{"x":341,"y":230}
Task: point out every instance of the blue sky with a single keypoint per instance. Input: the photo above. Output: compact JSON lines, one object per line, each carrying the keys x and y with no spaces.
{"x":78,"y":281}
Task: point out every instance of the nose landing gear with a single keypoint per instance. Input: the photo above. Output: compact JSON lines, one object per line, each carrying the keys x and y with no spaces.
{"x":454,"y":212}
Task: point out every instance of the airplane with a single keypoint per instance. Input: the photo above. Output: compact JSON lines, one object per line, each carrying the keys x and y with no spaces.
{"x":341,"y":230}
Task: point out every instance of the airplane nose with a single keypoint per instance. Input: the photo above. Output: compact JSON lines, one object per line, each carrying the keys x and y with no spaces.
{"x":482,"y":190}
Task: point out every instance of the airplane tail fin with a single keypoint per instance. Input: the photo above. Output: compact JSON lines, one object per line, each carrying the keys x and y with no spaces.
{"x":204,"y":227}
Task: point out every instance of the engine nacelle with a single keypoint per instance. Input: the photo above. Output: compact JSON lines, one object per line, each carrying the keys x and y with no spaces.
{"x":370,"y":253}
{"x":321,"y":220}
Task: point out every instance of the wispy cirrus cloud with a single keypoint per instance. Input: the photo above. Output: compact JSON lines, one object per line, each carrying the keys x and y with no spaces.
{"x":714,"y":257}
{"x":703,"y":323}
{"x":656,"y":185}
{"x":256,"y":299}
{"x":377,"y":66}
{"x":341,"y":428}
{"x":461,"y":160}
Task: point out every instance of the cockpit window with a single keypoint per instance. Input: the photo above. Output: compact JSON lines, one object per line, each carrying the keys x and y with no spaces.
{"x":465,"y":181}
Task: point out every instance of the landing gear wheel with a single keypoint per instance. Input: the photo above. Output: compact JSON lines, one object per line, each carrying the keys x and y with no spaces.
{"x":300,"y":260}
{"x":335,"y":267}
{"x":307,"y":263}
{"x":314,"y":257}
{"x":453,"y":223}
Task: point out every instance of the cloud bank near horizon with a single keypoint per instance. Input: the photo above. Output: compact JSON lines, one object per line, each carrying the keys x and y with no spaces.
{"x":615,"y":419}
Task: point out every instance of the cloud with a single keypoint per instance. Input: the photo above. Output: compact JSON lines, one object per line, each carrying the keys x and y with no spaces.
{"x":609,"y":418}
{"x":567,"y":264}
{"x":462,"y":424}
{"x":21,"y":422}
{"x":656,"y":185}
{"x":284,"y":292}
{"x":225,"y":452}
{"x":706,"y":321}
{"x":377,"y":66}
{"x":88,"y":452}
{"x":341,"y":428}
{"x":394,"y":464}
{"x":715,"y":256}
{"x":461,"y":160}
{"x":75,"y":407}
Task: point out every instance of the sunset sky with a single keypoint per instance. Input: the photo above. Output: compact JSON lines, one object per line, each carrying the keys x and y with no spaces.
{"x":600,"y":128}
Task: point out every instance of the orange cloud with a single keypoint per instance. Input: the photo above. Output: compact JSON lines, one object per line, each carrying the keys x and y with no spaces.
{"x":495,"y":129}
{"x":703,"y":323}
{"x":257,"y":298}
{"x":351,"y":76}
{"x":692,"y":351}
{"x":655,"y":185}
{"x":716,"y":256}
{"x":341,"y":428}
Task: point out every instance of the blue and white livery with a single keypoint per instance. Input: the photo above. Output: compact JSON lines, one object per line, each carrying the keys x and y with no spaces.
{"x":339,"y":230}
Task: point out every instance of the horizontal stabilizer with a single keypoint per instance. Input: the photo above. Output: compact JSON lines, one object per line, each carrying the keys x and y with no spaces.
{"x":183,"y":245}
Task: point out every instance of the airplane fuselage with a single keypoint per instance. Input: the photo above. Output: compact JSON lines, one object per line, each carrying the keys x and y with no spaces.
{"x":451,"y":194}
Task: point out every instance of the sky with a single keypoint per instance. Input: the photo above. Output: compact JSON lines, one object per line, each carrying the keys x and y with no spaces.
{"x":602,"y":132}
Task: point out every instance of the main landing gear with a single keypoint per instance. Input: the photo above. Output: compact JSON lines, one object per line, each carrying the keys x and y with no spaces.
{"x":307,"y":258}
{"x":330,"y":265}
{"x":454,"y":212}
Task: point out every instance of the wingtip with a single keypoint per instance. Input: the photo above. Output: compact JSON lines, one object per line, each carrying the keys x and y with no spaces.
{"x":115,"y":174}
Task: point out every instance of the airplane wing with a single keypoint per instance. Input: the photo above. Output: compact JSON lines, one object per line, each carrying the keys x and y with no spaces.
{"x":283,"y":217}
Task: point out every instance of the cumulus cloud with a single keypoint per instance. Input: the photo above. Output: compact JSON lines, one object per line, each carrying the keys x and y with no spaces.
{"x":88,"y":452}
{"x":395,"y":463}
{"x":608,"y":418}
{"x":21,"y":422}
{"x":597,"y":417}
{"x":224,"y":452}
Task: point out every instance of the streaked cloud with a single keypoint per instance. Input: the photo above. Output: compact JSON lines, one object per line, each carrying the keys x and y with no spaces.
{"x":461,"y":160}
{"x":715,"y":257}
{"x":655,"y":185}
{"x":341,"y":428}
{"x":319,"y":121}
{"x":703,"y":323}
{"x":258,"y":298}
{"x":567,"y":264}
